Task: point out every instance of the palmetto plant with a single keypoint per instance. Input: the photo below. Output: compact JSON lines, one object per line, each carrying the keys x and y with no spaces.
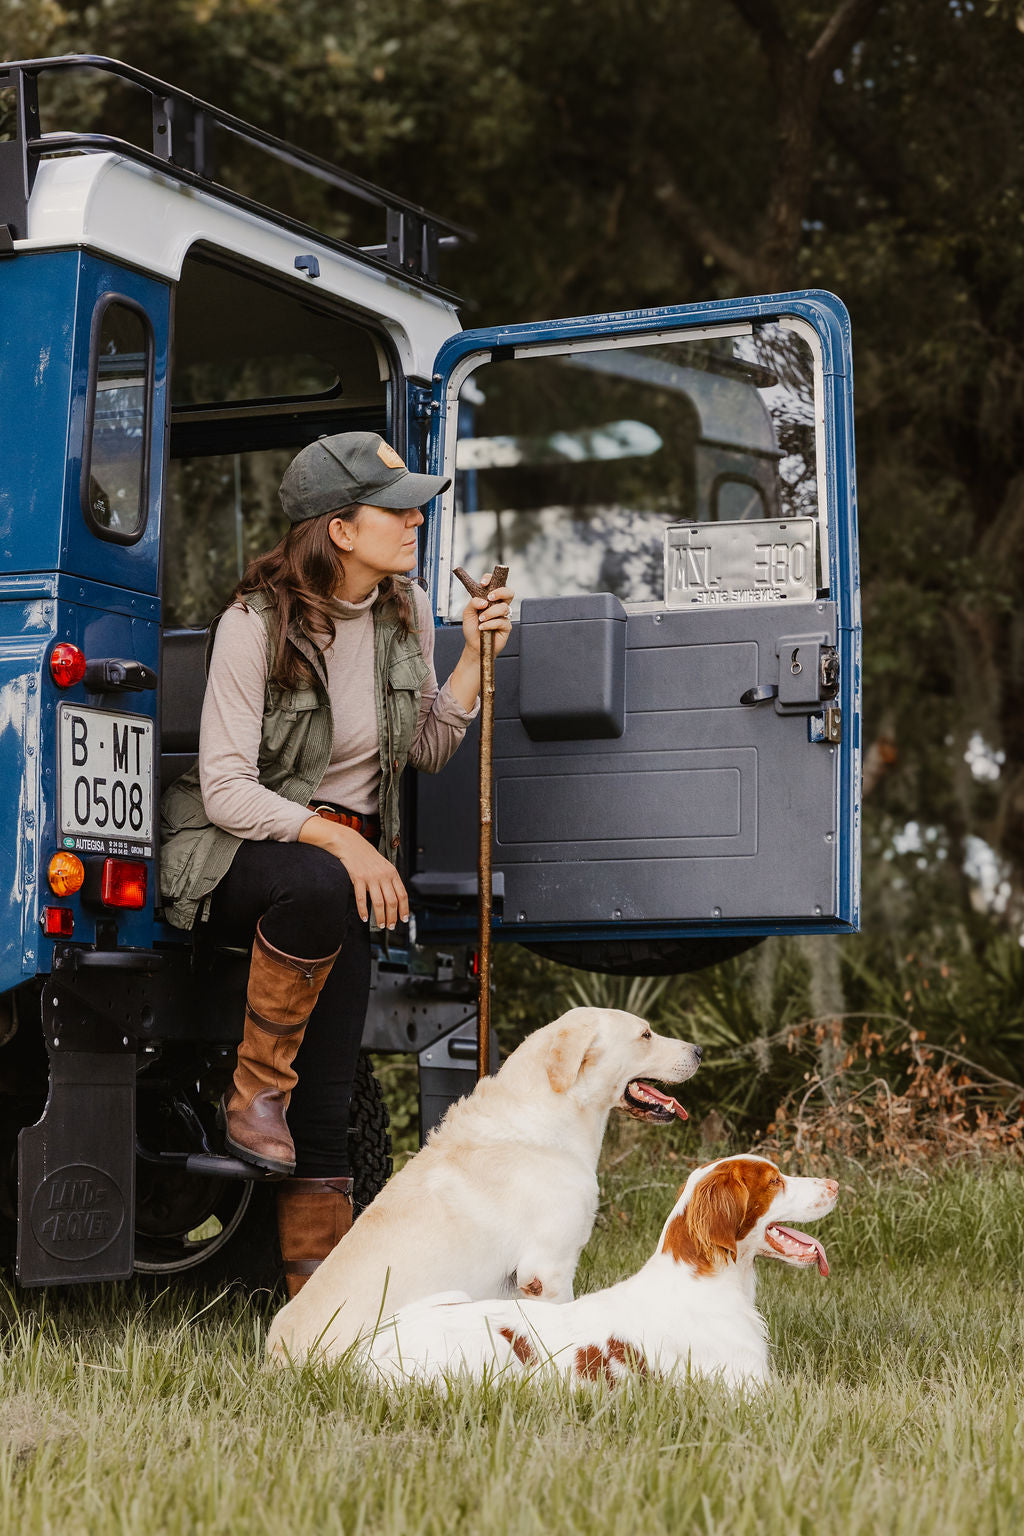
{"x":740,"y":1013}
{"x":790,"y":1017}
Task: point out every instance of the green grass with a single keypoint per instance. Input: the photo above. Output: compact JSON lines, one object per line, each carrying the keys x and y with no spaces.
{"x":896,"y":1406}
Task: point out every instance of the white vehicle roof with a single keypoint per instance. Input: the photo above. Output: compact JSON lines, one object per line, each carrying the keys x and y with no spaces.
{"x":111,"y":204}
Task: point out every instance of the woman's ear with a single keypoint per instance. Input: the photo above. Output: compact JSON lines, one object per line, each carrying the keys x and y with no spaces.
{"x":340,"y":533}
{"x":570,"y":1046}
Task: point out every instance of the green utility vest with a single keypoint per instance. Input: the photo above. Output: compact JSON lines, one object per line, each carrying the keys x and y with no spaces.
{"x":295,"y":749}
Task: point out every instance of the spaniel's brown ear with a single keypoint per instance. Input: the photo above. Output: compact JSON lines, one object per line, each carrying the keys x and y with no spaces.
{"x":705,"y":1234}
{"x":572,"y":1044}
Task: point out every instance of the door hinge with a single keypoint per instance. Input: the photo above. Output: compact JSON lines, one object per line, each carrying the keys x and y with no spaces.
{"x":827,"y":727}
{"x":422,"y":406}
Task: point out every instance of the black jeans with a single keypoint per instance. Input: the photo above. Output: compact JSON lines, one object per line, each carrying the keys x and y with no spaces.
{"x":303,"y":899}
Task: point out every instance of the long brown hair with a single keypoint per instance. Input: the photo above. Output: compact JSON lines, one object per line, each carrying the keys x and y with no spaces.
{"x":300,"y":575}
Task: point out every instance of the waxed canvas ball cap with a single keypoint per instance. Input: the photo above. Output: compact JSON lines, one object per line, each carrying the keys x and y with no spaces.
{"x":352,"y":466}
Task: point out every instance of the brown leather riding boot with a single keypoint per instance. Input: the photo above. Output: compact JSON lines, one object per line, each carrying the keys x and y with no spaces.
{"x":313,"y":1215}
{"x":281,"y":995}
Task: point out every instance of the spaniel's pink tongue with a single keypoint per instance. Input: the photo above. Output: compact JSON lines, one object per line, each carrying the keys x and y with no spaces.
{"x":642,"y":1091}
{"x":805,"y":1241}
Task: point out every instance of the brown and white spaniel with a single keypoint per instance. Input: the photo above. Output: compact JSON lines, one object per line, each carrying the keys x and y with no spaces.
{"x":690,"y":1308}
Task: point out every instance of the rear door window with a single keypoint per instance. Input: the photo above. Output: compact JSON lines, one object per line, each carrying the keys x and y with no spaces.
{"x":570,"y":467}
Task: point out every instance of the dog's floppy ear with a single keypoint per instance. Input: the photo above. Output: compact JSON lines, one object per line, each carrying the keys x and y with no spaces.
{"x":572,"y":1042}
{"x":706,"y":1232}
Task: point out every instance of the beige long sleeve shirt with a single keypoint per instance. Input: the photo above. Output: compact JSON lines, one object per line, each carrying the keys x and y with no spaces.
{"x":232,"y":722}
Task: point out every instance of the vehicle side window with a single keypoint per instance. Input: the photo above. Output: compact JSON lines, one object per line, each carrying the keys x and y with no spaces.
{"x":260,"y":367}
{"x":115,"y":467}
{"x":221,"y":510}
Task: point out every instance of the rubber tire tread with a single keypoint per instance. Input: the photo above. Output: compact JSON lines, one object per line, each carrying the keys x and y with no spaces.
{"x":252,"y":1258}
{"x":369,"y":1139}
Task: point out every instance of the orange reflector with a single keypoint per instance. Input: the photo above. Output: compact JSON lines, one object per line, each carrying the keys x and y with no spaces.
{"x":124,"y":883}
{"x":67,"y":665}
{"x":65,"y":873}
{"x":58,"y":922}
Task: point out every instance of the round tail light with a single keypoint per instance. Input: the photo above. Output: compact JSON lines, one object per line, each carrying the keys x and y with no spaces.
{"x":66,"y":873}
{"x":67,"y":665}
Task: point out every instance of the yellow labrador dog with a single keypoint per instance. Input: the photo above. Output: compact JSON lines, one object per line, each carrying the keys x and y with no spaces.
{"x":503,"y":1196}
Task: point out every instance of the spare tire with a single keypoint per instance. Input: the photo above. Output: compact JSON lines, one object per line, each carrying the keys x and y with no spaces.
{"x":644,"y":957}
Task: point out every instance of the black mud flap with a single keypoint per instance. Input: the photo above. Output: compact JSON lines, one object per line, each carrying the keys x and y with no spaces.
{"x":76,"y":1166}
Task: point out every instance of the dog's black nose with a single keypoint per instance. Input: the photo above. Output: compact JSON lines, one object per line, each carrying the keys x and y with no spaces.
{"x":698,"y":1052}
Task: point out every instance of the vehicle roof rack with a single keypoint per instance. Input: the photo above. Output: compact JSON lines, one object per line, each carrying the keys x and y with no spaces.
{"x":184,"y":130}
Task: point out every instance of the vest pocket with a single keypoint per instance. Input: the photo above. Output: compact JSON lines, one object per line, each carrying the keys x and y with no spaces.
{"x":408,"y":673}
{"x":177,"y":855}
{"x":406,"y":677}
{"x":181,"y":805}
{"x":285,"y":728}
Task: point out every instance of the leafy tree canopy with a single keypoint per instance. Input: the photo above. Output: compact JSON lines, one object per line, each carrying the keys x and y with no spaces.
{"x":611,"y":157}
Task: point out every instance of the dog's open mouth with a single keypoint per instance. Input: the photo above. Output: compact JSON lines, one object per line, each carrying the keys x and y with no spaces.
{"x":646,"y":1103}
{"x":796,"y":1246}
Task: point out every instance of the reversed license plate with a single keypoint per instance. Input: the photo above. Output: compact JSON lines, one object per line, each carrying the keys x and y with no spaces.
{"x":710,"y":565}
{"x":105,"y":767}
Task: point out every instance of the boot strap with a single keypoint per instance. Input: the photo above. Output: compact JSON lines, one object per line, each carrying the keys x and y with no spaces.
{"x":302,"y":1266}
{"x":268,"y":1026}
{"x":340,"y":1185}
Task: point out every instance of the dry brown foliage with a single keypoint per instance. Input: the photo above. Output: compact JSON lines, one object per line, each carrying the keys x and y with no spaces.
{"x":944,"y":1107}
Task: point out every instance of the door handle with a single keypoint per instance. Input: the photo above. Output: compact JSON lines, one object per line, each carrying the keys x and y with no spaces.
{"x":114,"y":676}
{"x":760,"y":694}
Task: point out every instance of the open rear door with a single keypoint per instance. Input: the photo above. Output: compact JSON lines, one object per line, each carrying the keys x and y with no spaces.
{"x":677,"y":714}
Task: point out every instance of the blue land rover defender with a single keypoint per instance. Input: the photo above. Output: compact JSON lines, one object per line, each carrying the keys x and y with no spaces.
{"x":677,"y":713}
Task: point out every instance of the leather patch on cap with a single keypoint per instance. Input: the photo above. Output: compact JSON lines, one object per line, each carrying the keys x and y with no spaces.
{"x":390,"y":457}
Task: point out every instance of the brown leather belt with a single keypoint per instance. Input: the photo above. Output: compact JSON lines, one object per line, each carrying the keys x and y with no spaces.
{"x":368,"y":826}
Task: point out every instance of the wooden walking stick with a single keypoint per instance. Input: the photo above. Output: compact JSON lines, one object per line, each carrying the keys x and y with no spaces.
{"x":497,"y":578}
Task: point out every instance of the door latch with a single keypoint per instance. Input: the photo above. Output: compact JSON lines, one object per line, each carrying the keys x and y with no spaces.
{"x":808,"y":673}
{"x":808,"y":676}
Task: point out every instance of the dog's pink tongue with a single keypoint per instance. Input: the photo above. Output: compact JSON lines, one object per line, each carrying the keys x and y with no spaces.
{"x":811,"y":1242}
{"x":662,"y":1098}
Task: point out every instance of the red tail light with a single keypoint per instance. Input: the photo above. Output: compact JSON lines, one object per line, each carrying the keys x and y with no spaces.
{"x":67,"y":665}
{"x":124,"y":883}
{"x":58,"y":922}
